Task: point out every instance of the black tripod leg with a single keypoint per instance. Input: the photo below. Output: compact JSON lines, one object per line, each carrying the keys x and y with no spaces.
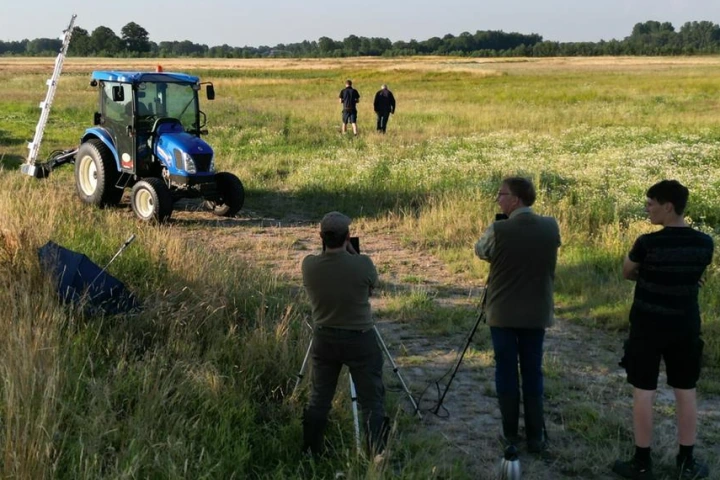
{"x":457,"y":365}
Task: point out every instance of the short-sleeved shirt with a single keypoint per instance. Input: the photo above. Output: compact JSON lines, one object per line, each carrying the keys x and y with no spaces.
{"x":338,"y":285}
{"x":672,"y":262}
{"x":349,"y":97}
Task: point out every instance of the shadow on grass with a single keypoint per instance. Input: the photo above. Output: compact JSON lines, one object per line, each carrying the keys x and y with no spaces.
{"x":281,"y":208}
{"x":425,"y":313}
{"x":7,"y":139}
{"x":593,"y":294}
{"x":312,"y":203}
{"x":11,"y":162}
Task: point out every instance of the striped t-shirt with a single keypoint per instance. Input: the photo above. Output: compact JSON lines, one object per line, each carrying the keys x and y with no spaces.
{"x":672,"y":262}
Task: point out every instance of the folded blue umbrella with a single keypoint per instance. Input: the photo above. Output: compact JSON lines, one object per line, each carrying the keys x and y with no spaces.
{"x":81,"y":282}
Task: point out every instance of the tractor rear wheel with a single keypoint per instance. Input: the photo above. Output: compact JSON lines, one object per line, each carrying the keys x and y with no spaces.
{"x":151,"y":200}
{"x":96,"y":174}
{"x":232,"y":195}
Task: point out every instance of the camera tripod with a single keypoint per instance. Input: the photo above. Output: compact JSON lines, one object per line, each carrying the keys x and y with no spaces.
{"x":353,"y":394}
{"x":481,"y":317}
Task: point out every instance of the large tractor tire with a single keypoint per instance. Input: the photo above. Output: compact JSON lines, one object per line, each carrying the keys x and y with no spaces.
{"x":151,"y":200}
{"x":232,"y":195}
{"x":96,"y":174}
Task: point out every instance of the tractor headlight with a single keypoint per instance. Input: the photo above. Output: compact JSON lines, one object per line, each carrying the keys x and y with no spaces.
{"x":212,"y":164}
{"x":189,"y":163}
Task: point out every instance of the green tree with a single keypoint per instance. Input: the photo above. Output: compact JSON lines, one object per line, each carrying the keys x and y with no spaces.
{"x":43,"y":46}
{"x":327,"y":45}
{"x":80,"y":43}
{"x":351,"y":45}
{"x":652,"y":38}
{"x":105,"y":42}
{"x":702,"y":36}
{"x":135,"y":38}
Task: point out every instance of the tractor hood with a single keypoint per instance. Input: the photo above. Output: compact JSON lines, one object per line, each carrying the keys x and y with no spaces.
{"x":184,"y":154}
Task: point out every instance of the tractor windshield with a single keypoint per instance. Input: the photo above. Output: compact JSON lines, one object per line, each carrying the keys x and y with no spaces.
{"x":174,"y":100}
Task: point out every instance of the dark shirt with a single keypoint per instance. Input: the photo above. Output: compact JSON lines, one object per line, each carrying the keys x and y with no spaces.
{"x":349,"y":97}
{"x":384,"y":101}
{"x":672,"y":262}
{"x":338,"y":285}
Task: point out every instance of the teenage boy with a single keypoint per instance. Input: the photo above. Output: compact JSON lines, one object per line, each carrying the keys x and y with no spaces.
{"x":667,"y":267}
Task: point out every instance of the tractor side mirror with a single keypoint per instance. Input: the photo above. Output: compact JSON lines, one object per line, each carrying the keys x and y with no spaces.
{"x":118,"y":93}
{"x":210,"y":92}
{"x":97,"y":118}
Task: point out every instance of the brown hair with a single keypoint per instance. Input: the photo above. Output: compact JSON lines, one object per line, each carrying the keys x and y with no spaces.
{"x":522,"y":188}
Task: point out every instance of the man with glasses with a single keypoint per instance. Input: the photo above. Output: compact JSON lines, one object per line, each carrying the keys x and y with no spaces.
{"x":521,"y":247}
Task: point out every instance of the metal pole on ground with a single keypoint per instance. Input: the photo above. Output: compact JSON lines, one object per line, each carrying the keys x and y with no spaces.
{"x":122,"y":249}
{"x":301,"y":373}
{"x":356,"y":421}
{"x":396,"y":370}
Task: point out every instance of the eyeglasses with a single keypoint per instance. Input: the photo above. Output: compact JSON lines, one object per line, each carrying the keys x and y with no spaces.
{"x":500,"y":194}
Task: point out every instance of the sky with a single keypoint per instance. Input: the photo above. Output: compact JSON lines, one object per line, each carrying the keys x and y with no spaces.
{"x":254,"y":23}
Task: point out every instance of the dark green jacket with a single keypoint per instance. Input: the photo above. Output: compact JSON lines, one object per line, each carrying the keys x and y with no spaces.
{"x":338,"y":285}
{"x":522,"y":271}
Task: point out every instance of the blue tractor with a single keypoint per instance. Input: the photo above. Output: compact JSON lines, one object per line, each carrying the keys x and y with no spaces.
{"x":147,"y":137}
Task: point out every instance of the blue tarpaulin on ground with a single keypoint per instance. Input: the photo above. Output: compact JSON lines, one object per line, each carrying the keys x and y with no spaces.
{"x":82,"y":282}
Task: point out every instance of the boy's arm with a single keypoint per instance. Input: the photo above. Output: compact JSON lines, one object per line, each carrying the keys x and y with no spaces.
{"x":630,"y":269}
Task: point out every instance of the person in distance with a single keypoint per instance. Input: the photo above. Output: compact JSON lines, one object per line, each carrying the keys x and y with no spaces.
{"x":349,"y":98}
{"x":384,"y":105}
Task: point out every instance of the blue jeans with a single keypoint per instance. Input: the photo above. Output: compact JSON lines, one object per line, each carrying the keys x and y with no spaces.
{"x":525,"y":344}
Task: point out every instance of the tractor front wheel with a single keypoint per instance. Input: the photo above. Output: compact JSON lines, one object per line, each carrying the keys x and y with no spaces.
{"x":232,"y":195}
{"x":96,"y":174}
{"x":151,"y":200}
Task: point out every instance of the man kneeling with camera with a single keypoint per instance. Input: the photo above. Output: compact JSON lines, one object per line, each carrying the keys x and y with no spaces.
{"x":339,"y":282}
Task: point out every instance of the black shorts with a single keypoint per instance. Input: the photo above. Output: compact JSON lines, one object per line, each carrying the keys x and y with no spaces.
{"x":349,"y":116}
{"x":682,"y":356}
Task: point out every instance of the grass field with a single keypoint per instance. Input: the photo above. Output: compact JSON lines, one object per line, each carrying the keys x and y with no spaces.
{"x":197,"y":386}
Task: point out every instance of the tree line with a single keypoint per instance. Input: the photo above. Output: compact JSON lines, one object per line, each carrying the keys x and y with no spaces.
{"x":646,"y":38}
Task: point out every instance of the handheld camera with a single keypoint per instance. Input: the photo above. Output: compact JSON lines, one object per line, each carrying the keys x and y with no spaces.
{"x":354,"y":241}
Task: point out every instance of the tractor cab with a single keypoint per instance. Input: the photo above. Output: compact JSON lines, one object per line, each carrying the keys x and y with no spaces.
{"x":137,"y":109}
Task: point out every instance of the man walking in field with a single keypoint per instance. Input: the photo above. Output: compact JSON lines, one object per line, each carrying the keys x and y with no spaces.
{"x":522,"y":251}
{"x":339,"y":282}
{"x":384,"y":105}
{"x":349,"y":97}
{"x":667,"y":267}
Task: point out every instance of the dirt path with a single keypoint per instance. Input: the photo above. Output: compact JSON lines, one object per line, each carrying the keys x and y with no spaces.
{"x":588,"y":401}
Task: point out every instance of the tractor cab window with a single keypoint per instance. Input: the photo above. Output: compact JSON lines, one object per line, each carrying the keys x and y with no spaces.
{"x":119,"y":110}
{"x":173,"y":100}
